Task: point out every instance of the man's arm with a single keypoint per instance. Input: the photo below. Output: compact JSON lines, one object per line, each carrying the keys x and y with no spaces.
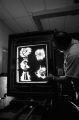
{"x":51,"y":78}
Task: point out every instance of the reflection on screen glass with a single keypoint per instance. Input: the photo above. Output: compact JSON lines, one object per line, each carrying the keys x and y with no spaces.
{"x":32,"y":63}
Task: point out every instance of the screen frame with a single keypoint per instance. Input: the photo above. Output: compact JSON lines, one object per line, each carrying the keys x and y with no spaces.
{"x":29,"y":90}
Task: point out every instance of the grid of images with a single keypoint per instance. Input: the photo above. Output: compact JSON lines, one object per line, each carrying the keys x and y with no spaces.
{"x":32,"y":64}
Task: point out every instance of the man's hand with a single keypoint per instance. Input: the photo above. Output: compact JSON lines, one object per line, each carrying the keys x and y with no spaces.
{"x":50,"y":78}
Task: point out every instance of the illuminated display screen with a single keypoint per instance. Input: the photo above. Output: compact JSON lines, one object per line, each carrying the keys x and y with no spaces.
{"x":30,"y":60}
{"x":32,"y":64}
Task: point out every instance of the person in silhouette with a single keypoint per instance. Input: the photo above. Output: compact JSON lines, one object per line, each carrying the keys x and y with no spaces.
{"x":70,"y":47}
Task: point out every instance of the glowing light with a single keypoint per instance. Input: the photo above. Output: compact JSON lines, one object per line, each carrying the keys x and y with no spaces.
{"x":25,"y":76}
{"x":40,"y":54}
{"x":24,"y":64}
{"x":31,"y":63}
{"x":40,"y":73}
{"x":25,"y":52}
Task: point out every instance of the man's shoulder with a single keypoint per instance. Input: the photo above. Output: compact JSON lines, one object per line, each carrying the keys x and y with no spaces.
{"x":74,"y":51}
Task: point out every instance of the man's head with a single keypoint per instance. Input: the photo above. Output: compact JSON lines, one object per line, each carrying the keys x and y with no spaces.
{"x":62,"y":40}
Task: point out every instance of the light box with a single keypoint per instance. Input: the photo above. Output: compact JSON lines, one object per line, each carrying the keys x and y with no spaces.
{"x":30,"y":60}
{"x":32,"y":64}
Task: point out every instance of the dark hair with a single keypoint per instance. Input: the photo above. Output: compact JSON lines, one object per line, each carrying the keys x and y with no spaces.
{"x":62,"y":40}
